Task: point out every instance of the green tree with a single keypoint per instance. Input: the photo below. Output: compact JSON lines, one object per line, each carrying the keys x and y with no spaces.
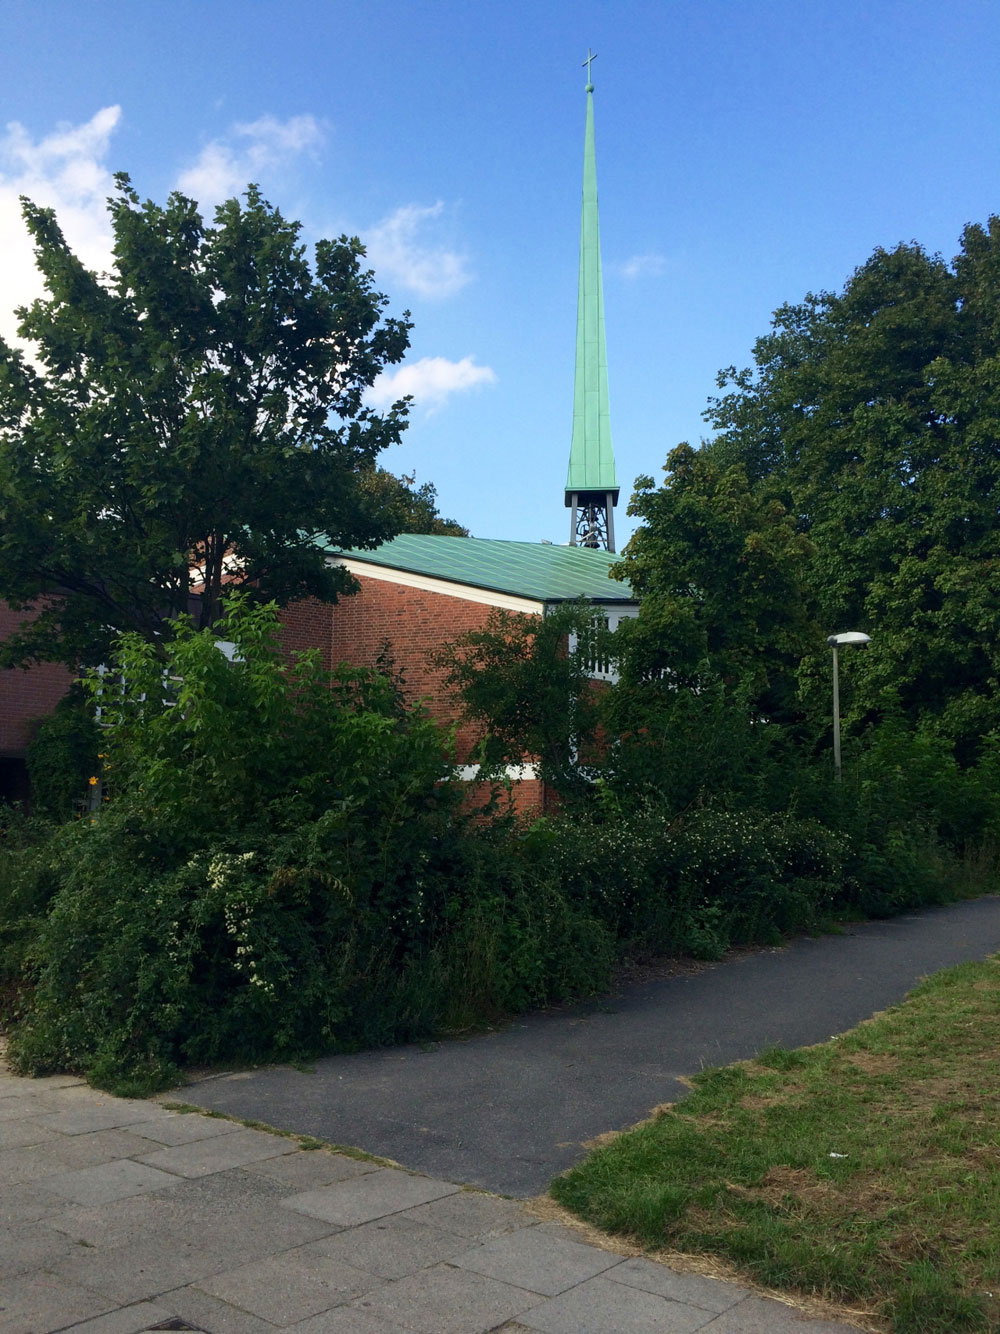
{"x":718,"y":568}
{"x":192,"y":422}
{"x":530,"y":692}
{"x":414,"y":507}
{"x":873,"y":415}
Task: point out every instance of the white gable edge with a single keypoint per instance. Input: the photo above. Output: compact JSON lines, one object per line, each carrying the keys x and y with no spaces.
{"x":428,"y":584}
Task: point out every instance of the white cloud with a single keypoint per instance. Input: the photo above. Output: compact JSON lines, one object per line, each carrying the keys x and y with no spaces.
{"x":251,"y":150}
{"x":399,"y":255}
{"x":65,"y":171}
{"x":649,"y":265}
{"x":431,"y":381}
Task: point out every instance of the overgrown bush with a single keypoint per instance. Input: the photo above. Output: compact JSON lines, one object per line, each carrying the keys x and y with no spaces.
{"x":282,"y":868}
{"x":62,"y":757}
{"x":693,"y":822}
{"x":282,"y":865}
{"x":696,"y":883}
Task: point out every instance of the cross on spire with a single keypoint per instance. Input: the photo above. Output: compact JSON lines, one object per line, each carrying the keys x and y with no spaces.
{"x":591,"y":55}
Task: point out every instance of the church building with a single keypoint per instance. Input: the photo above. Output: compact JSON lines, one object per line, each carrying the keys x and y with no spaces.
{"x":418,"y":591}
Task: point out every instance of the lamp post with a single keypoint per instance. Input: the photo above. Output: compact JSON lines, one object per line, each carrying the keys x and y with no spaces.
{"x":835,"y":641}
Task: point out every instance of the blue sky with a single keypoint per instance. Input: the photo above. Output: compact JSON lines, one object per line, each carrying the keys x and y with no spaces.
{"x":747,"y":153}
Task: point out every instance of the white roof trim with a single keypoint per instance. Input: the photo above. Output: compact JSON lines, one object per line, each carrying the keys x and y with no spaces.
{"x":428,"y":584}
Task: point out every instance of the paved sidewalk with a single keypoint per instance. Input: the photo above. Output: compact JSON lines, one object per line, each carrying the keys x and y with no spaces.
{"x":120,"y":1216}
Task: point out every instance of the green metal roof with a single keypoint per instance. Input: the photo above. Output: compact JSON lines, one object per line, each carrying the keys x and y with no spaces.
{"x":533,"y":570}
{"x":591,"y":457}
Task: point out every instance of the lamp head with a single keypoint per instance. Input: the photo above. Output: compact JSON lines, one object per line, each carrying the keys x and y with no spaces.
{"x":848,"y":637}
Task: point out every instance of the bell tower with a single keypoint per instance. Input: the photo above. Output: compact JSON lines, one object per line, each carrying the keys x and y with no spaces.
{"x":591,"y":483}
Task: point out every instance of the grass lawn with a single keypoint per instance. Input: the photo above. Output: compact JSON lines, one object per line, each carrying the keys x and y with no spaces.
{"x":865,"y":1170}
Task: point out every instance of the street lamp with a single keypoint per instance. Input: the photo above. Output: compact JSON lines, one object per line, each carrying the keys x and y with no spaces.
{"x":835,"y":641}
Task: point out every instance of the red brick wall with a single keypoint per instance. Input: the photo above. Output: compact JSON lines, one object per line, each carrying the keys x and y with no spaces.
{"x":26,"y":694}
{"x":309,"y":624}
{"x":411,"y":622}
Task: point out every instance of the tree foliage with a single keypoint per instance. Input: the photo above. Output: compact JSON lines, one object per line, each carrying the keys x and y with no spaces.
{"x":719,"y":570}
{"x":532,"y":696}
{"x":873,"y":415}
{"x":63,"y":757}
{"x":280,"y":867}
{"x":191,"y":421}
{"x":414,"y":508}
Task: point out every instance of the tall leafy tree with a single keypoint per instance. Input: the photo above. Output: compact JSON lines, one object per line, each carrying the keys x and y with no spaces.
{"x":873,"y":414}
{"x":188,"y":423}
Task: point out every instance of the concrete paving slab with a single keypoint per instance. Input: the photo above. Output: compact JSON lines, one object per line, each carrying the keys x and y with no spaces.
{"x":602,"y":1307}
{"x":530,"y":1258}
{"x":204,"y":1156}
{"x":105,"y":1113}
{"x":208,"y":1313}
{"x":760,"y":1315}
{"x":118,"y":1222}
{"x":37,"y":1303}
{"x":15,"y":1108}
{"x":101,"y":1146}
{"x":141,"y":1269}
{"x":392,"y":1247}
{"x":27,"y":1203}
{"x":710,"y":1293}
{"x":288,"y":1287}
{"x":107,"y":1181}
{"x":126,"y":1320}
{"x":211,"y":1212}
{"x":79,"y":1094}
{"x":345,"y":1320}
{"x":186,"y":1127}
{"x":256,"y":1234}
{"x":445,"y":1300}
{"x":30,"y":1164}
{"x":226,"y":1196}
{"x":310,"y":1168}
{"x":30,"y":1246}
{"x":16,"y":1085}
{"x":362,"y":1199}
{"x":472,"y":1214}
{"x":19,"y":1133}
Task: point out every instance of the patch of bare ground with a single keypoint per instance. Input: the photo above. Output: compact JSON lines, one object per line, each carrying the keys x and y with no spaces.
{"x":760,"y":1102}
{"x":910,"y":1245}
{"x":873,"y":1062}
{"x":984,"y":1155}
{"x":756,"y":1070}
{"x":599,"y":1141}
{"x":927,"y":1094}
{"x":781,"y":1184}
{"x":706,"y":1266}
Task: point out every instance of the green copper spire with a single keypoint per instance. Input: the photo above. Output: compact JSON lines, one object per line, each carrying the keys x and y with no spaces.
{"x":591,"y":484}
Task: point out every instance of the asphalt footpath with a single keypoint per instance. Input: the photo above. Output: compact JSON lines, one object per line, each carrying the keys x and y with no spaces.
{"x":507,"y":1110}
